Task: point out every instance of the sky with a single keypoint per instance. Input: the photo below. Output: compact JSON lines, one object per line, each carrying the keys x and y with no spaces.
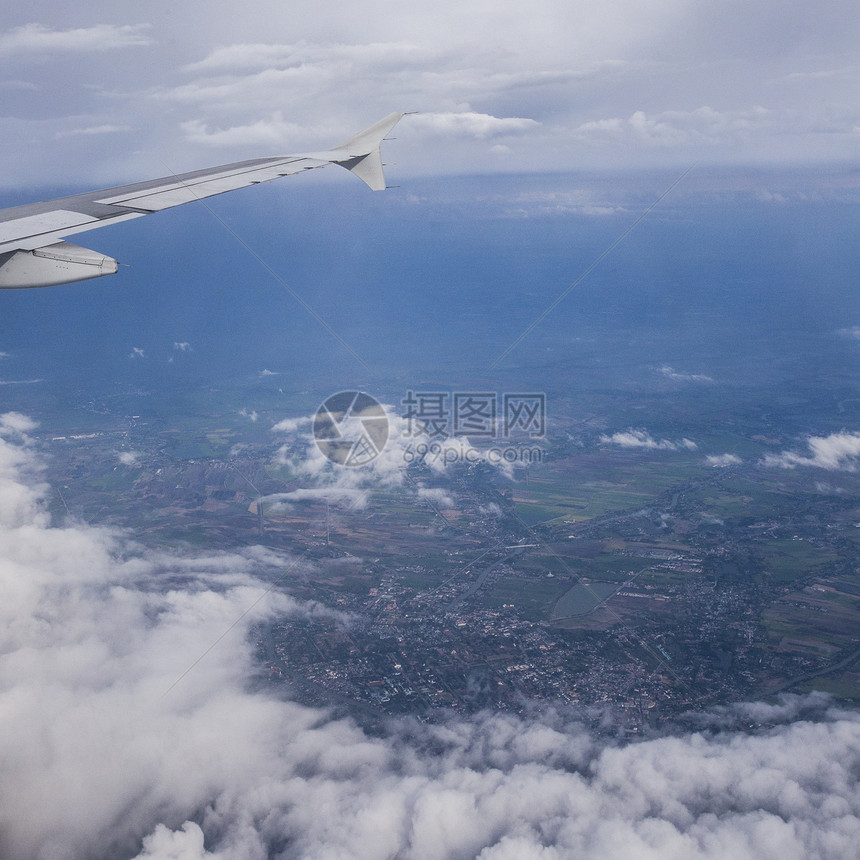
{"x":113,"y":91}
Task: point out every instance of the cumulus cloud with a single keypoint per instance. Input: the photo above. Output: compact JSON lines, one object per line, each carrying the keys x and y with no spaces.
{"x":836,"y":452}
{"x":723,"y":460}
{"x":128,"y":458}
{"x":39,"y":39}
{"x":642,"y":439}
{"x":137,"y":352}
{"x":119,"y":736}
{"x":182,"y":346}
{"x":852,"y":332}
{"x":250,"y":414}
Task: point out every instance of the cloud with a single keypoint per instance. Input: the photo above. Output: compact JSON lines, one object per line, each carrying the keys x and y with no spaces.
{"x":641,"y":439}
{"x":105,"y":128}
{"x":852,"y":332}
{"x":354,"y":499}
{"x":250,"y":414}
{"x":675,"y":376}
{"x":836,"y":452}
{"x":436,"y":496}
{"x":472,"y":124}
{"x":38,"y":39}
{"x":270,"y":132}
{"x":137,"y":352}
{"x":128,"y":458}
{"x":121,"y":736}
{"x":290,"y":425}
{"x":723,"y":460}
{"x":682,"y":129}
{"x":303,"y":456}
{"x":182,"y":346}
{"x":15,"y":424}
{"x":303,"y":54}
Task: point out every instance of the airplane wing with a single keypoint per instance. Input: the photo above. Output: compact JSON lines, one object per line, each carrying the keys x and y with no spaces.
{"x":32,"y":250}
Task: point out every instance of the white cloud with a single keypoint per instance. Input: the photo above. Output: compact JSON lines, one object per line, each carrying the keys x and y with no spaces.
{"x":354,"y":499}
{"x":182,"y":346}
{"x":137,"y":352}
{"x":836,"y":452}
{"x":290,"y":425}
{"x":642,"y":439}
{"x":15,"y":424}
{"x":128,"y":458}
{"x":303,"y":456}
{"x":675,"y":128}
{"x":263,"y":133}
{"x":436,"y":496}
{"x":676,"y":376}
{"x":472,"y":124}
{"x":39,"y":39}
{"x":249,"y":414}
{"x":723,"y":460}
{"x":852,"y":332}
{"x":105,"y":128}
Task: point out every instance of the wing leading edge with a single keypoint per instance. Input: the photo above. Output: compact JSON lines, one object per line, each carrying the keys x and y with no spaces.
{"x":33,"y":252}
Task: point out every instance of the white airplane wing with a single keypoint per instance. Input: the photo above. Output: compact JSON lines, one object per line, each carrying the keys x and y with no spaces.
{"x":32,"y":250}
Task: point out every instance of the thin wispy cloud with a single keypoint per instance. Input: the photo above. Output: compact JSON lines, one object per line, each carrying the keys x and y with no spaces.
{"x":679,"y":376}
{"x":40,"y":39}
{"x":87,"y":131}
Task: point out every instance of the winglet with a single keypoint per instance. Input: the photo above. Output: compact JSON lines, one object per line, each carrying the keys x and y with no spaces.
{"x":360,"y":154}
